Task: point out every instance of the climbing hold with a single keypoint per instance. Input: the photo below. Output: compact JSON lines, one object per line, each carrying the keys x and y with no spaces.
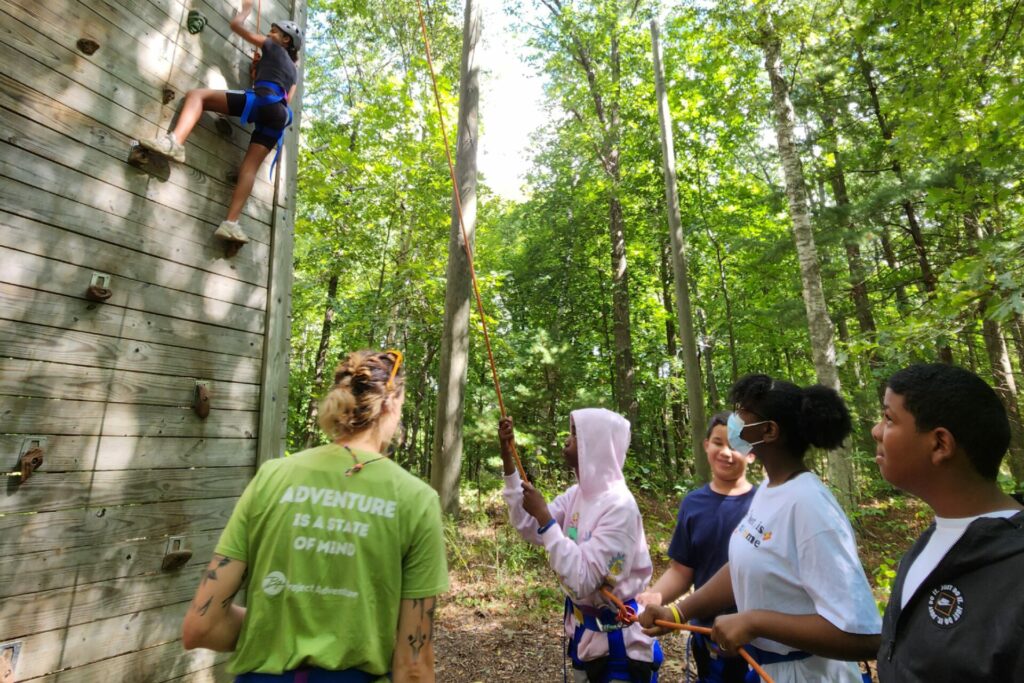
{"x":154,"y":164}
{"x":223,"y":126}
{"x":195,"y":22}
{"x":29,"y":462}
{"x":201,"y":400}
{"x":176,"y":555}
{"x":168,"y":95}
{"x":98,"y":288}
{"x":87,"y":45}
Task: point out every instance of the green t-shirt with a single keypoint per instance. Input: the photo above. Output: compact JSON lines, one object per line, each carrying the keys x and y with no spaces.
{"x":329,"y":558}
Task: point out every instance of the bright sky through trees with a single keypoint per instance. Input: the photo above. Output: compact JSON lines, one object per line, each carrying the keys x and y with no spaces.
{"x":510,"y":104}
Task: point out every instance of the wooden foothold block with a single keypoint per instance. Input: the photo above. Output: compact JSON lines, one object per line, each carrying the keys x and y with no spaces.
{"x":231,"y":248}
{"x":176,"y":555}
{"x":155,"y":165}
{"x":201,"y":400}
{"x":168,"y":95}
{"x":223,"y":126}
{"x":87,"y":45}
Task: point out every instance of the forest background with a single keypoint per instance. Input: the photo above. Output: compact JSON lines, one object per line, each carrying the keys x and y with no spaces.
{"x":908,"y":127}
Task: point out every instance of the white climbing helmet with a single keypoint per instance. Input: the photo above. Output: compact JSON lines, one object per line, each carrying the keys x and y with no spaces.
{"x":292,"y":30}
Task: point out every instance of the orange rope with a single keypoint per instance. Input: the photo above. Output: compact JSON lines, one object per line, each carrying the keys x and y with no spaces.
{"x":465,"y":237}
{"x":706,"y":631}
{"x":627,"y":616}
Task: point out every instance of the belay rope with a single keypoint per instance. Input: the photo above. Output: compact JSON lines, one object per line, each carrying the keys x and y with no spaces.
{"x":626,"y":615}
{"x":465,"y":237}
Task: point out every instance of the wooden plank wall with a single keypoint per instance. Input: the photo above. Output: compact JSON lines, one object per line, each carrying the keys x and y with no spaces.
{"x":108,"y":385}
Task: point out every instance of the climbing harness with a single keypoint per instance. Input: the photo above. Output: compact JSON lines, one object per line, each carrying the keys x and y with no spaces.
{"x":607,"y":622}
{"x":254,"y":101}
{"x":465,"y":237}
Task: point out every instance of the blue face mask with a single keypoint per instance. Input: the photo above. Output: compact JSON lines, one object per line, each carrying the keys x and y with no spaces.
{"x":736,"y":442}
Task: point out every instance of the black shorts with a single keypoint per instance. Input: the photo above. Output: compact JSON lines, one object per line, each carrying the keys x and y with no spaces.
{"x":271,"y":115}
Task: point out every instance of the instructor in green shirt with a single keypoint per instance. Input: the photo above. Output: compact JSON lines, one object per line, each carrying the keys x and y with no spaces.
{"x":343,"y":548}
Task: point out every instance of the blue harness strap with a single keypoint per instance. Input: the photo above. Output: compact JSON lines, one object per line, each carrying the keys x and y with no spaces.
{"x":604,"y":621}
{"x":763,"y":657}
{"x":253,"y":101}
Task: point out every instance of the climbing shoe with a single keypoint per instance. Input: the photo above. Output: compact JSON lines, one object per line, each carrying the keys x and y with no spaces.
{"x":231,"y":231}
{"x":167,"y":146}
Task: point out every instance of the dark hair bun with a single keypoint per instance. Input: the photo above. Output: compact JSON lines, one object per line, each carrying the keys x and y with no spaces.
{"x":824,"y":418}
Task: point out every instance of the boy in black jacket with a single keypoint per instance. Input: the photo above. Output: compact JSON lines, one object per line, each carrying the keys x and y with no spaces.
{"x":956,"y":612}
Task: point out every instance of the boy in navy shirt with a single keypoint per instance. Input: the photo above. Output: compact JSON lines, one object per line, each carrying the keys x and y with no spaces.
{"x":700,"y":543}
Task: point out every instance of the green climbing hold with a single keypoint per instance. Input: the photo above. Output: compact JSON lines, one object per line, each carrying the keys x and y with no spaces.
{"x":196,"y":22}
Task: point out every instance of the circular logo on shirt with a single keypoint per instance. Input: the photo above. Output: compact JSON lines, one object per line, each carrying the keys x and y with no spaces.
{"x":946,"y":605}
{"x":274,"y":583}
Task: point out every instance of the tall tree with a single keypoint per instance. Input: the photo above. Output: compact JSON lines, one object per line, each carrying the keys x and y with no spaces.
{"x":446,"y":458}
{"x":684,"y":313}
{"x":604,"y":90}
{"x":823,"y":351}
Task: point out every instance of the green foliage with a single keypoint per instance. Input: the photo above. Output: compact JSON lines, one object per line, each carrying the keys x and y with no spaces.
{"x":917,"y":105}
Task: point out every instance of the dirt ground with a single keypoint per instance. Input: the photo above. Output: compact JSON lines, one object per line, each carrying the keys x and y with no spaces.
{"x":497,"y":626}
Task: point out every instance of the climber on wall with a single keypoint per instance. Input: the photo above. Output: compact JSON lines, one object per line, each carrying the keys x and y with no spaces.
{"x":265,"y":105}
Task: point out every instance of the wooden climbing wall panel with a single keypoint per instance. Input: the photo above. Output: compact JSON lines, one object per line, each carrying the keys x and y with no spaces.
{"x":105,"y":388}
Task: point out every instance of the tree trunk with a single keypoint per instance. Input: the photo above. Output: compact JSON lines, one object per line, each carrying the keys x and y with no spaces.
{"x":819,"y":324}
{"x":1017,"y":332}
{"x":606,"y":111}
{"x":624,"y":370}
{"x":684,"y":315}
{"x":902,"y":303}
{"x":999,"y":359}
{"x":709,"y":367}
{"x":913,"y":224}
{"x":837,"y":181}
{"x":309,"y":429}
{"x":446,"y":455}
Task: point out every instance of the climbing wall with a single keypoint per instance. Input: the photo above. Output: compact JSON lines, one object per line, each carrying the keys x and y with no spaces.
{"x":129,"y":481}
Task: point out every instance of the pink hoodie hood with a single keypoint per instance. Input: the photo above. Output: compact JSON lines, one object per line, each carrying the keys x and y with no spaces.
{"x":602,"y":439}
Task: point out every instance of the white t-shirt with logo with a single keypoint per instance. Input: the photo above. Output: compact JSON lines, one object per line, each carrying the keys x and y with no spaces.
{"x":948,"y":531}
{"x":794,"y":552}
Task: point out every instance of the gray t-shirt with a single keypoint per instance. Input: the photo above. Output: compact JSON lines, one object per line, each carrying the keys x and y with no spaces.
{"x":276,"y":66}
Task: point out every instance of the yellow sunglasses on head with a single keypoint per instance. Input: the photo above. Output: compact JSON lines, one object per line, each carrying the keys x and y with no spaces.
{"x":394,"y":368}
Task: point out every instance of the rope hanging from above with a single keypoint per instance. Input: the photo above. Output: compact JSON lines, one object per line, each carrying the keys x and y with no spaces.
{"x":465,"y":236}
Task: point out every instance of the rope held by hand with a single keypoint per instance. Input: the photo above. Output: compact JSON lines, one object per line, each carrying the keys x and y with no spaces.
{"x":465,"y":237}
{"x":627,"y":616}
{"x":704,"y":630}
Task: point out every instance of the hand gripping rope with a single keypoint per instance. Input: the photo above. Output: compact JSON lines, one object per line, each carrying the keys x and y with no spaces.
{"x":627,"y":617}
{"x":465,"y":238}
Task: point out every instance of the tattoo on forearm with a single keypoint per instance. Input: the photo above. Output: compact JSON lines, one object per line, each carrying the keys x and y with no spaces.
{"x":419,"y":639}
{"x":226,"y":602}
{"x":204,"y":608}
{"x":211,"y":574}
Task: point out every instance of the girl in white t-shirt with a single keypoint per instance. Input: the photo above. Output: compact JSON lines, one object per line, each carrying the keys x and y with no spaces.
{"x":805,"y":610}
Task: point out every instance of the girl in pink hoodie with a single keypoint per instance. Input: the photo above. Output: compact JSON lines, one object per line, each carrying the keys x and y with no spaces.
{"x":594,"y":537}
